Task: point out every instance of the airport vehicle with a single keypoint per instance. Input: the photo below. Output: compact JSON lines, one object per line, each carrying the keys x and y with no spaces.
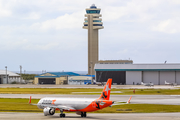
{"x":78,"y":105}
{"x":147,"y":84}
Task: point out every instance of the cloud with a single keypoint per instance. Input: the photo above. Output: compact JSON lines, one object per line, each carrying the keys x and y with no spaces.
{"x":132,"y":28}
{"x":67,"y":21}
{"x":168,"y":26}
{"x":27,"y":45}
{"x":33,"y":15}
{"x":176,"y":1}
{"x":134,"y":11}
{"x":4,"y":11}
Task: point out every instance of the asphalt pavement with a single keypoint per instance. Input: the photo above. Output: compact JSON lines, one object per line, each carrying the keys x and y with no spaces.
{"x":90,"y":116}
{"x":136,"y":99}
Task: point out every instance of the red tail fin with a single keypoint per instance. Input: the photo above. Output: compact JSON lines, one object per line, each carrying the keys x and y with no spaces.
{"x":106,"y":91}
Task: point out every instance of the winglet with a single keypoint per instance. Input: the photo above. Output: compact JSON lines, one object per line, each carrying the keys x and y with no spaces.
{"x":106,"y":91}
{"x":129,"y":100}
{"x":30,"y":100}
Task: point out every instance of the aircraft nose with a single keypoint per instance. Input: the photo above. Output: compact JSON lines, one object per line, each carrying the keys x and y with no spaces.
{"x":39,"y":105}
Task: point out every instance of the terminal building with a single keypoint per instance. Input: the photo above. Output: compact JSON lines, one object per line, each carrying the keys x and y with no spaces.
{"x":132,"y":74}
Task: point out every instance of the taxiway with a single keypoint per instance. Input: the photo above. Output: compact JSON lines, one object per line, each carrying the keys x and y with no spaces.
{"x":90,"y":116}
{"x":136,"y":99}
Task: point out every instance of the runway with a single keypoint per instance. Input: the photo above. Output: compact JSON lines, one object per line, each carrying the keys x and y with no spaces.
{"x":90,"y":116}
{"x":136,"y":99}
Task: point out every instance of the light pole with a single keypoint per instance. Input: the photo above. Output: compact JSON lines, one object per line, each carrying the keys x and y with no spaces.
{"x":6,"y":74}
{"x":20,"y":73}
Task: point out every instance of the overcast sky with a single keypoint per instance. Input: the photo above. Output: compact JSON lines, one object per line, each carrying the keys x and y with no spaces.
{"x":48,"y":35}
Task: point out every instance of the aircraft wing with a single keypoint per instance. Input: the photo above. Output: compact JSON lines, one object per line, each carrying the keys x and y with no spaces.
{"x":63,"y":107}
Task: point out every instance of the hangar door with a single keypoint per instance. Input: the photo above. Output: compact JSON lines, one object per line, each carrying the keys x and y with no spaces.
{"x":0,"y":80}
{"x":118,"y":77}
{"x":47,"y":80}
{"x":150,"y":76}
{"x":178,"y":77}
{"x":167,"y":76}
{"x":133,"y":77}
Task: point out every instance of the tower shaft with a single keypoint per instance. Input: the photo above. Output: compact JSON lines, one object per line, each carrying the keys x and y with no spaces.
{"x":92,"y":46}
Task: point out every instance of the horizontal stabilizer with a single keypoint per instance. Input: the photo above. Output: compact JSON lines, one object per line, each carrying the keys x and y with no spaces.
{"x":121,"y":102}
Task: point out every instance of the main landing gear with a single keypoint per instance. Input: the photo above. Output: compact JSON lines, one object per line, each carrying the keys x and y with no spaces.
{"x":62,"y":114}
{"x":83,"y":114}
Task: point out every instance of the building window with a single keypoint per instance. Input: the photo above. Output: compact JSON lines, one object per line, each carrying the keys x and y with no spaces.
{"x":96,"y":20}
{"x":97,"y":24}
{"x":92,"y":11}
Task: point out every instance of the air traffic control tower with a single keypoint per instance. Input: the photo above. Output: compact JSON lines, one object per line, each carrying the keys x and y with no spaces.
{"x":93,"y":23}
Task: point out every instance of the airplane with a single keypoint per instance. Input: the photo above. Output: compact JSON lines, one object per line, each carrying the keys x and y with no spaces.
{"x":78,"y":105}
{"x":147,"y":84}
{"x":166,"y":83}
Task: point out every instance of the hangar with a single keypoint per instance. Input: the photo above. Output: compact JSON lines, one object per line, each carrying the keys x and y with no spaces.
{"x":9,"y":77}
{"x":57,"y":78}
{"x":130,"y":74}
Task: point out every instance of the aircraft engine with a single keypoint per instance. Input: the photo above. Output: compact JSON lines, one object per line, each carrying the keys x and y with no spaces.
{"x":48,"y":111}
{"x":78,"y":113}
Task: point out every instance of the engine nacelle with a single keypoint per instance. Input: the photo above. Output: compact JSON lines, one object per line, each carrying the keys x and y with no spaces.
{"x":48,"y":111}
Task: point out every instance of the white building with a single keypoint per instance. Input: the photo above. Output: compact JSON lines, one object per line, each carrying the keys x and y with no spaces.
{"x":130,"y":74}
{"x":9,"y":77}
{"x":79,"y":80}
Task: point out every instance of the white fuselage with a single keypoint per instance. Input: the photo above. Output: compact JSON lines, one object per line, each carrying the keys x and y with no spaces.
{"x":76,"y":103}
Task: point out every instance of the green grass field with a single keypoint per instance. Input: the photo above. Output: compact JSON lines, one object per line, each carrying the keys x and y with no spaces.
{"x":21,"y":105}
{"x":69,"y":91}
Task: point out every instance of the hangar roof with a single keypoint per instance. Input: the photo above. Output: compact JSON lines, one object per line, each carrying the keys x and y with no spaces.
{"x":3,"y":72}
{"x":89,"y":75}
{"x":137,"y":67}
{"x":64,"y":73}
{"x":58,"y":74}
